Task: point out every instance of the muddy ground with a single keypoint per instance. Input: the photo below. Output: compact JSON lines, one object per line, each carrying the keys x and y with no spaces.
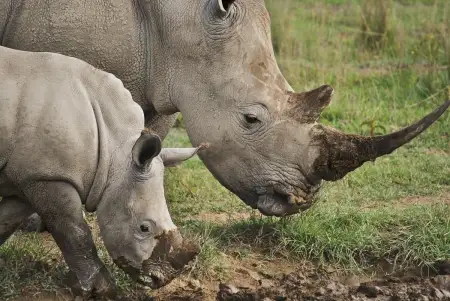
{"x":255,"y":279}
{"x":262,"y":282}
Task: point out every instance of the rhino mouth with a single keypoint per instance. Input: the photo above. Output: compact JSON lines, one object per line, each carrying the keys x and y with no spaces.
{"x":161,"y":268}
{"x":279,"y":201}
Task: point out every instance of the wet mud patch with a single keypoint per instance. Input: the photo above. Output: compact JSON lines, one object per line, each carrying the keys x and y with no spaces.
{"x":298,"y":286}
{"x":256,"y":278}
{"x":253,"y":280}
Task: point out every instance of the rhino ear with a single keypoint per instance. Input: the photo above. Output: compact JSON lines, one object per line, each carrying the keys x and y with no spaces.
{"x":223,"y":6}
{"x":147,"y":147}
{"x":174,"y":156}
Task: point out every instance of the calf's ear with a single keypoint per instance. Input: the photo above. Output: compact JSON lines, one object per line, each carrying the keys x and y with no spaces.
{"x":147,"y":147}
{"x":174,"y":156}
{"x":221,"y":7}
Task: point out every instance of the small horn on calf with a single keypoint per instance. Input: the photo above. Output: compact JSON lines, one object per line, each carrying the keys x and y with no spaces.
{"x":342,"y":153}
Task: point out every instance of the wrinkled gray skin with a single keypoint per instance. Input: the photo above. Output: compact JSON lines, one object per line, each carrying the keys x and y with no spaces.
{"x":70,"y":135}
{"x":213,"y":61}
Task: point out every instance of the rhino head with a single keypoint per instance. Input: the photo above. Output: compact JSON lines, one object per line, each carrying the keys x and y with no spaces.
{"x":134,"y":220}
{"x":213,"y":61}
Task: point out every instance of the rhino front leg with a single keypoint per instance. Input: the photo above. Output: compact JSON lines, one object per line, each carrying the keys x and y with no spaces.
{"x":59,"y":206}
{"x":33,"y":223}
{"x":13,"y":211}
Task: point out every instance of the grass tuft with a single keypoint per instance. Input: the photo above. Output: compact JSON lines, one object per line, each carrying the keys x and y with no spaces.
{"x":375,"y":25}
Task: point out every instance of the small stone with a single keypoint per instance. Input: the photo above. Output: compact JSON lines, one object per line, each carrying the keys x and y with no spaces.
{"x":228,"y":288}
{"x":369,"y":291}
{"x":352,"y":281}
{"x":424,"y":298}
{"x":266,"y":283}
{"x":251,"y":273}
{"x":337,"y":289}
{"x":438,"y":294}
{"x":446,"y":293}
{"x":443,"y":282}
{"x":290,"y":277}
{"x":195,"y":283}
{"x":321,"y":292}
{"x":331,"y":287}
{"x":301,"y":276}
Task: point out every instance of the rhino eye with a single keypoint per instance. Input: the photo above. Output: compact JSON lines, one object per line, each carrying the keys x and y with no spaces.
{"x":145,"y":228}
{"x":251,"y":118}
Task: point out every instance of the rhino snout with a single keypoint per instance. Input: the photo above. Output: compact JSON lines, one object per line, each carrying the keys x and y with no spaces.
{"x":169,"y":259}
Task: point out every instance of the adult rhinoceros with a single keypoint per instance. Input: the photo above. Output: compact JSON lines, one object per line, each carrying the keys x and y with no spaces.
{"x":213,"y":61}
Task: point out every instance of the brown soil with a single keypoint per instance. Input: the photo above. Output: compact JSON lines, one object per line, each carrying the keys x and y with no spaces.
{"x":58,"y":296}
{"x":425,"y":200}
{"x":406,"y":202}
{"x":256,"y":278}
{"x":221,"y":218}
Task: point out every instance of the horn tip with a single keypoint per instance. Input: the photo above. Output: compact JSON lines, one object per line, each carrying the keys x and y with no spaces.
{"x":327,"y":89}
{"x":326,"y":92}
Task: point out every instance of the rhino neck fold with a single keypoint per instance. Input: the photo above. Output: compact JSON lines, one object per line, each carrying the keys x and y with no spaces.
{"x":118,"y":120}
{"x":103,"y":163}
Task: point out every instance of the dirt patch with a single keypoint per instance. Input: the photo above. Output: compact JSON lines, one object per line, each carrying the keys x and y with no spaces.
{"x":221,"y":217}
{"x":307,"y":286}
{"x":256,"y":279}
{"x":438,"y":151}
{"x":424,"y":200}
{"x":409,"y":201}
{"x":56,"y":296}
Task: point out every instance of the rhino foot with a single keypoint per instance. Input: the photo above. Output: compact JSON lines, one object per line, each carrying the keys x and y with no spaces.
{"x":100,"y":286}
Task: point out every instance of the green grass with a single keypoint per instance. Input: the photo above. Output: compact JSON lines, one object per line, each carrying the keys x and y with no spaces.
{"x":358,"y":221}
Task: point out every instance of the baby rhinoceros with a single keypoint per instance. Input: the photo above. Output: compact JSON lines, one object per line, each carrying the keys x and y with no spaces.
{"x":68,"y":140}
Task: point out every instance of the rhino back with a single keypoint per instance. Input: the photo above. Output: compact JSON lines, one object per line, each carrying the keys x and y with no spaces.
{"x":61,"y":122}
{"x":108,"y":34}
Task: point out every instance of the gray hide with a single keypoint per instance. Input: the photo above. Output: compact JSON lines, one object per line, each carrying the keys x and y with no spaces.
{"x":71,"y":135}
{"x":213,"y":61}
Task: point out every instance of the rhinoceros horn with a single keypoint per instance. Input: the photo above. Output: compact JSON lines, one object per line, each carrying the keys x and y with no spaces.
{"x":341,"y":153}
